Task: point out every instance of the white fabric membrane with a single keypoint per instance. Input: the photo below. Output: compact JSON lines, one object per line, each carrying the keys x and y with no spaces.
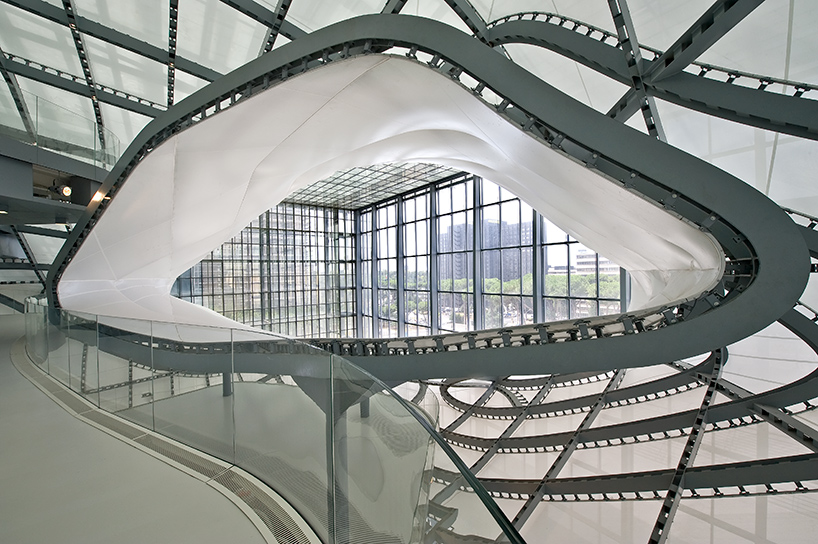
{"x":205,"y":184}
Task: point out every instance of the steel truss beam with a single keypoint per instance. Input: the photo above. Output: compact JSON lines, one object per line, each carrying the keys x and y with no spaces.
{"x":270,"y":19}
{"x":32,"y":262}
{"x":495,"y":448}
{"x":17,"y":96}
{"x":717,"y":21}
{"x":469,"y":15}
{"x":173,"y":21}
{"x":79,"y":43}
{"x":694,"y":440}
{"x":36,"y":268}
{"x":447,"y":492}
{"x":393,"y":6}
{"x":39,"y":231}
{"x":761,"y":472}
{"x":568,"y":449}
{"x":52,"y":13}
{"x":280,"y":13}
{"x":633,"y":56}
{"x":60,"y":80}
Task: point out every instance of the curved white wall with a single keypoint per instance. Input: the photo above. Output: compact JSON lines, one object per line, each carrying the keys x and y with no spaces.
{"x":205,"y":184}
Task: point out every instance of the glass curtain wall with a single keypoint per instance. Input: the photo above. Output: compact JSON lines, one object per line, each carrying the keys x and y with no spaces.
{"x":457,"y":255}
{"x":474,"y":256}
{"x":291,"y":271}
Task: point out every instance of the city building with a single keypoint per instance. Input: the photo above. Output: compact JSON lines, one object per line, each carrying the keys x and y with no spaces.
{"x":442,"y":192}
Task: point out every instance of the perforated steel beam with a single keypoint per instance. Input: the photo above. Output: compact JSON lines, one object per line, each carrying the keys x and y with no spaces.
{"x":469,"y":15}
{"x":85,"y":63}
{"x":115,"y":98}
{"x":694,"y":440}
{"x":633,"y":56}
{"x":519,"y":420}
{"x":565,"y":454}
{"x":173,"y":20}
{"x":39,"y":231}
{"x":32,"y":261}
{"x":393,"y":6}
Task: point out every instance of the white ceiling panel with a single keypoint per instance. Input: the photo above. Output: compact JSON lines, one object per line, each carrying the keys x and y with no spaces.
{"x":146,"y":20}
{"x":437,"y":10}
{"x":787,"y":50}
{"x":126,"y":71}
{"x":217,"y":36}
{"x":781,"y":166}
{"x":38,"y":39}
{"x":586,"y":85}
{"x":17,"y":276}
{"x":9,"y":115}
{"x":803,"y":64}
{"x":311,"y":15}
{"x":740,"y":48}
{"x":124,"y":124}
{"x":792,"y":182}
{"x":45,"y":248}
{"x":594,"y":12}
{"x":186,"y":85}
{"x":660,"y":24}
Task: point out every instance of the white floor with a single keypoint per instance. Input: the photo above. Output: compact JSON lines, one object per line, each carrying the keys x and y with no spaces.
{"x":62,"y":480}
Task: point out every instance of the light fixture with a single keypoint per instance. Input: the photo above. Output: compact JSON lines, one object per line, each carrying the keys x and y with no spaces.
{"x":4,"y":208}
{"x":62,"y":190}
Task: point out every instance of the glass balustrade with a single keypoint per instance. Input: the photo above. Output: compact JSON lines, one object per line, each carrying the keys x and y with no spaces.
{"x":353,"y":457}
{"x":53,"y":127}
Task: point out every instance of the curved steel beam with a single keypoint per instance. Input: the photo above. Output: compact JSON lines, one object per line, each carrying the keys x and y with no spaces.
{"x":755,"y":107}
{"x":688,"y":187}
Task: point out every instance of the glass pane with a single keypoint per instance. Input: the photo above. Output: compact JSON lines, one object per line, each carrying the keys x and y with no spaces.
{"x":195,"y":408}
{"x":492,"y":309}
{"x":511,"y":270}
{"x":583,"y":271}
{"x":510,"y":230}
{"x":555,"y":264}
{"x":512,"y":311}
{"x":583,"y":308}
{"x":491,"y":192}
{"x":552,"y":233}
{"x":125,"y":370}
{"x":556,"y":309}
{"x":491,"y":226}
{"x":445,"y":234}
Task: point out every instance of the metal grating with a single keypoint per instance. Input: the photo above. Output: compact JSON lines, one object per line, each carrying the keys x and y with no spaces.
{"x":184,"y":457}
{"x":112,"y":424}
{"x":71,"y":401}
{"x":359,"y":187}
{"x":281,"y":524}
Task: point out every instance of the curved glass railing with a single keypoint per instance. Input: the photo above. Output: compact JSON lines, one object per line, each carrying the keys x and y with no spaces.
{"x":350,"y":455}
{"x":53,"y":127}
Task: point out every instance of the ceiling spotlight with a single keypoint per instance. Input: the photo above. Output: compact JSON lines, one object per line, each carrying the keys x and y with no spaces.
{"x":63,"y":190}
{"x":4,"y":208}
